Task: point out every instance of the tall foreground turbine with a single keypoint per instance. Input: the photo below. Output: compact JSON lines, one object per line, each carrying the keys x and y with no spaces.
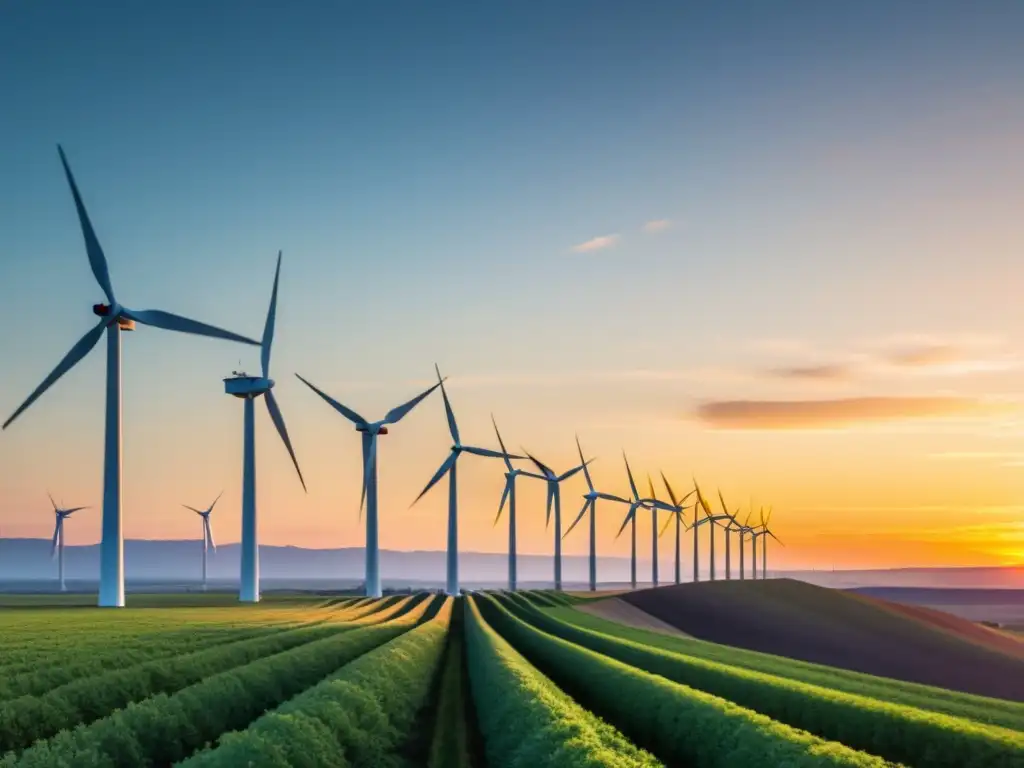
{"x":448,"y":466}
{"x":207,"y":531}
{"x":370,"y":431}
{"x":114,"y":318}
{"x":248,"y":388}
{"x":509,"y":494}
{"x":590,"y":504}
{"x":554,"y":483}
{"x":57,"y":548}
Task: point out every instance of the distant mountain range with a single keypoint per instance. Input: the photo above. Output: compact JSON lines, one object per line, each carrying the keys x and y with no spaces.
{"x":27,"y":561}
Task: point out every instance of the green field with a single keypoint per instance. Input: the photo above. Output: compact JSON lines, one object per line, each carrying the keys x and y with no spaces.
{"x":487,"y":680}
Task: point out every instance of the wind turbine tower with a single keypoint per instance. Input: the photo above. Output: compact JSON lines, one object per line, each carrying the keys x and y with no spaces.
{"x":370,"y":431}
{"x":681,"y":525}
{"x":248,"y":388}
{"x":554,"y":483}
{"x":114,"y":318}
{"x":509,"y":494}
{"x":208,"y":542}
{"x":448,"y":467}
{"x":57,"y":548}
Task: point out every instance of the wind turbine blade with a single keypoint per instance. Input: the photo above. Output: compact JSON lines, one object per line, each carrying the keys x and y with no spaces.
{"x":775,"y":537}
{"x":345,"y":411}
{"x":650,"y":486}
{"x":97,"y":260}
{"x":544,"y":469}
{"x":73,"y":509}
{"x":586,"y":506}
{"x":573,"y":471}
{"x":282,"y":430}
{"x":82,"y":347}
{"x":215,"y":502}
{"x":268,"y":328}
{"x":52,"y":501}
{"x":551,"y":498}
{"x":629,"y":516}
{"x":508,"y":462}
{"x":453,"y":428}
{"x":671,"y":493}
{"x":535,"y":476}
{"x":583,"y":462}
{"x":209,"y":533}
{"x":504,"y":498}
{"x":171,"y":322}
{"x":612,"y":497}
{"x":437,"y":475}
{"x":197,"y":511}
{"x":632,"y":484}
{"x":56,"y":535}
{"x":769,"y":518}
{"x":665,"y":526}
{"x":396,"y":414}
{"x":487,"y":452}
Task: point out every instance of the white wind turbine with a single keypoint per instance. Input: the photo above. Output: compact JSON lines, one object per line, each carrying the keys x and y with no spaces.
{"x":635,"y":503}
{"x":744,"y":530}
{"x":734,"y":524}
{"x":590,"y":504}
{"x":114,"y":318}
{"x":448,"y":466}
{"x":509,"y":494}
{"x":554,"y":483}
{"x":714,"y":520}
{"x":701,"y":505}
{"x":57,"y":548}
{"x":681,"y":525}
{"x":763,"y":534}
{"x":207,"y":531}
{"x":248,"y":388}
{"x":370,"y":431}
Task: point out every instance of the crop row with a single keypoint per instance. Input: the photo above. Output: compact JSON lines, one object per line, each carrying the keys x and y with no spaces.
{"x":163,"y":729}
{"x":453,"y":717}
{"x":900,"y":733}
{"x":525,"y":719}
{"x":1008,"y":714}
{"x":361,"y":715}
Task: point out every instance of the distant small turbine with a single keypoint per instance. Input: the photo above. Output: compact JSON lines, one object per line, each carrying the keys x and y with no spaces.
{"x":448,"y":467}
{"x":248,"y":388}
{"x":554,"y":482}
{"x":509,"y":494}
{"x":764,"y":533}
{"x":743,"y":531}
{"x":714,"y":520}
{"x":637,"y":503}
{"x":370,"y":431}
{"x":590,"y":504}
{"x":700,"y":506}
{"x":681,"y":525}
{"x":113,"y":318}
{"x":57,"y":547}
{"x":734,"y":524}
{"x":207,"y":531}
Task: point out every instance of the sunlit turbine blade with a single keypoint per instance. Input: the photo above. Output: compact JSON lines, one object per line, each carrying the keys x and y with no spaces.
{"x":397,"y":413}
{"x":197,"y":511}
{"x":345,"y":411}
{"x":215,"y":502}
{"x":665,"y":526}
{"x":268,"y":328}
{"x":97,"y":260}
{"x":775,"y":537}
{"x":171,"y":322}
{"x":652,"y":503}
{"x":586,"y":506}
{"x":56,"y":535}
{"x":573,"y":471}
{"x":551,"y":499}
{"x":437,"y":475}
{"x":209,"y":533}
{"x":769,"y":518}
{"x":632,"y":484}
{"x":583,"y":462}
{"x":508,"y":462}
{"x":629,"y":516}
{"x":73,"y":509}
{"x":453,"y":428}
{"x":504,"y":498}
{"x":671,"y":493}
{"x":282,"y":430}
{"x":487,"y":452}
{"x":650,"y":486}
{"x":81,"y":349}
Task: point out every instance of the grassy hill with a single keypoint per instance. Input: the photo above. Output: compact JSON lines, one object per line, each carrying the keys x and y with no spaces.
{"x":840,"y":629}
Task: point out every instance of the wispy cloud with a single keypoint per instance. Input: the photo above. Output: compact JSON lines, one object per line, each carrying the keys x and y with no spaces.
{"x":656,"y":225}
{"x":823,"y":372}
{"x":596,"y":244}
{"x":841,"y":412}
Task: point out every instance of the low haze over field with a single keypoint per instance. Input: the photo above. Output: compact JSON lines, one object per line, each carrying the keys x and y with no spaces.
{"x":777,"y":251}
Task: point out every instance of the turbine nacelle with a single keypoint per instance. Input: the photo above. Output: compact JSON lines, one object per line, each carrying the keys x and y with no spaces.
{"x":376,"y":428}
{"x":107,"y":310}
{"x":244,"y":386}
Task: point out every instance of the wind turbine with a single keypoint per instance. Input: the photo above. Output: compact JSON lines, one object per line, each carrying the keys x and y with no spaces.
{"x":207,"y":531}
{"x":370,"y":431}
{"x":702,"y":505}
{"x":509,"y":494}
{"x":248,"y":388}
{"x":555,"y":497}
{"x":57,"y":547}
{"x":449,"y":467}
{"x":744,"y":530}
{"x":637,"y":502}
{"x":714,"y":520}
{"x":677,"y":503}
{"x":113,"y":318}
{"x":728,"y":529}
{"x":590,"y":503}
{"x":765,"y":532}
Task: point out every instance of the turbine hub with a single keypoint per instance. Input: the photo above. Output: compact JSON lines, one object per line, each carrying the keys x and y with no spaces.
{"x":243,"y":386}
{"x":106,"y":310}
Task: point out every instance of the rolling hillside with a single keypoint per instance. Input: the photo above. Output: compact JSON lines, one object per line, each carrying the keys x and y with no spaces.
{"x":802,"y":621}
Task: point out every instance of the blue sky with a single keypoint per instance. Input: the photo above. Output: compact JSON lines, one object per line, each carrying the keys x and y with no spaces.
{"x":833,"y":178}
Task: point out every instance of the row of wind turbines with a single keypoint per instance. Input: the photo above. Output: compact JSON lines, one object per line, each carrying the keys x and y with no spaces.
{"x":115,"y":317}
